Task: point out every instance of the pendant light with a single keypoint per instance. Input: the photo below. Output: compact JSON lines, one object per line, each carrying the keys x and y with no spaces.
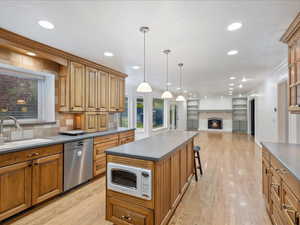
{"x":144,"y":87}
{"x":167,"y":94}
{"x":180,"y":97}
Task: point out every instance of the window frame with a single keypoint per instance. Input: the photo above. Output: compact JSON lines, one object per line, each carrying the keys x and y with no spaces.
{"x":164,"y":115}
{"x":46,"y":92}
{"x":135,"y":110}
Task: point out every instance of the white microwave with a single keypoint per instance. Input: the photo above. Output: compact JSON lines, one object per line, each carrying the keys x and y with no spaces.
{"x":129,"y":180}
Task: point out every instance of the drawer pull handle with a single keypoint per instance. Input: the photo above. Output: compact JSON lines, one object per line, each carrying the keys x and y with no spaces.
{"x":275,"y":185}
{"x":128,"y":218}
{"x":288,"y":208}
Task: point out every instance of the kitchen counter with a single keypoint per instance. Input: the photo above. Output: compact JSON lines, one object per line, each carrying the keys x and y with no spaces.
{"x":60,"y":139}
{"x":153,"y":148}
{"x":287,"y":154}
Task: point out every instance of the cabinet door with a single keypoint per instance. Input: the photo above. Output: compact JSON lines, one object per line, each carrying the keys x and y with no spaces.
{"x":113,"y":93}
{"x":90,"y":122}
{"x":102,"y":121}
{"x":15,"y":189}
{"x":91,"y":87}
{"x":275,"y":185}
{"x":103,"y":94}
{"x":121,"y":94}
{"x":183,"y":170}
{"x":290,"y":206}
{"x":77,"y":87}
{"x":47,"y":178}
{"x":266,"y":182}
{"x":63,"y":89}
{"x":175,"y":178}
{"x":190,"y":159}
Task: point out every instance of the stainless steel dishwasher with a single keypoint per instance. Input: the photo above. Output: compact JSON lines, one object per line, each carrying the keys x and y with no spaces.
{"x":78,"y":162}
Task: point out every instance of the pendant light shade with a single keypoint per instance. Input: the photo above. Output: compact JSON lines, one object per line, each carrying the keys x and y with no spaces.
{"x":144,"y":87}
{"x":167,"y":94}
{"x":180,"y":97}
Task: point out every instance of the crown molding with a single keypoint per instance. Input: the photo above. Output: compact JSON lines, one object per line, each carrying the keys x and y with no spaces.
{"x":292,"y":29}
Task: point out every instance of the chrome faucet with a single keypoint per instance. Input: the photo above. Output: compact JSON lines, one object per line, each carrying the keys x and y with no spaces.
{"x":17,"y":125}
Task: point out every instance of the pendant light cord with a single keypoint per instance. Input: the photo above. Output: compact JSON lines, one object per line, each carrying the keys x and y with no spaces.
{"x":144,"y":56}
{"x":167,"y":71}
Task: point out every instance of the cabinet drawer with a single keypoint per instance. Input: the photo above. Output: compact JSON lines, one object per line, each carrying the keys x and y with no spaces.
{"x":120,"y":212}
{"x":126,"y":140}
{"x":126,"y":134}
{"x":290,"y":206}
{"x":106,"y":138}
{"x":100,"y":166}
{"x":275,"y":186}
{"x":276,"y":214}
{"x":265,"y":154}
{"x":16,"y":157}
{"x":99,"y":149}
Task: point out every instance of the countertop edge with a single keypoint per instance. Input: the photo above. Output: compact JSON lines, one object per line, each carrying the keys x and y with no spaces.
{"x":147,"y":158}
{"x":56,"y":142}
{"x":280,"y":160}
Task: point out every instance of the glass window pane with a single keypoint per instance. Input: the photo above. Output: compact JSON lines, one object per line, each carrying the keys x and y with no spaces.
{"x":139,"y":113}
{"x":124,"y":115}
{"x":18,"y":97}
{"x":158,"y":112}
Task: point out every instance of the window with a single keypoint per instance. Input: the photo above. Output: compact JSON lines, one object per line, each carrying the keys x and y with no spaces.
{"x":158,"y":113}
{"x":140,"y":112}
{"x":124,"y":115}
{"x":26,"y":95}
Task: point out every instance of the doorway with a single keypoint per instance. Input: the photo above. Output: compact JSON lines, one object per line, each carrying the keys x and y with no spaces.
{"x":252,"y":117}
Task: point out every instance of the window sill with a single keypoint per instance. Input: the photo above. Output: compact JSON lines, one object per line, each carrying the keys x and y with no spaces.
{"x":9,"y":123}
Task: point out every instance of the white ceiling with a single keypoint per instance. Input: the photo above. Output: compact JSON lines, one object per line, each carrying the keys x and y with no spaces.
{"x":195,"y":31}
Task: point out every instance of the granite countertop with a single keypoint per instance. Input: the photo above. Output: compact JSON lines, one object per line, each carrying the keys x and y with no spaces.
{"x":287,"y":154}
{"x":60,"y":139}
{"x":153,"y":148}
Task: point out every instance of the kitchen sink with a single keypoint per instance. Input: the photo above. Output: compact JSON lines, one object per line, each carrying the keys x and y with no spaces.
{"x":24,"y":143}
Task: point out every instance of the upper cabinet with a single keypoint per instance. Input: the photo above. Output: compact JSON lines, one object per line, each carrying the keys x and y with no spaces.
{"x":86,"y":89}
{"x":292,"y":38}
{"x":116,"y":93}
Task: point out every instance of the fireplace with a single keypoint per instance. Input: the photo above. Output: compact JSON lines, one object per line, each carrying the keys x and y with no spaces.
{"x":215,"y":123}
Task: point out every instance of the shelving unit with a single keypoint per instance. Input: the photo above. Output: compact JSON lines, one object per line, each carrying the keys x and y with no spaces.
{"x":192,"y":114}
{"x":239,"y":115}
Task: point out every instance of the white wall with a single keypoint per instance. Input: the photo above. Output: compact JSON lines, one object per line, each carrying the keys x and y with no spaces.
{"x":218,"y":103}
{"x":266,"y":121}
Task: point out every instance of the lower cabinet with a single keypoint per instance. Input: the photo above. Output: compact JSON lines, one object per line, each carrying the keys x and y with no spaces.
{"x":30,"y":182}
{"x":47,"y":177}
{"x":15,"y":188}
{"x":281,"y":192}
{"x":120,"y":212}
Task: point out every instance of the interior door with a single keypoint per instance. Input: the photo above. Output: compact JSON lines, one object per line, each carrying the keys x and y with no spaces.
{"x":47,"y":178}
{"x":15,"y":189}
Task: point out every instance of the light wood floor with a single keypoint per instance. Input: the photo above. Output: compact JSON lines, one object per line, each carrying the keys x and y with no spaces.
{"x":229,"y":193}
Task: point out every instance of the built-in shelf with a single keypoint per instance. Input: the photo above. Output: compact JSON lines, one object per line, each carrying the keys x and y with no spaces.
{"x":239,"y":115}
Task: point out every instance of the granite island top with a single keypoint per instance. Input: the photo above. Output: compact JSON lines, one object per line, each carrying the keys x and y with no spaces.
{"x":153,"y":148}
{"x":287,"y":154}
{"x":60,"y":139}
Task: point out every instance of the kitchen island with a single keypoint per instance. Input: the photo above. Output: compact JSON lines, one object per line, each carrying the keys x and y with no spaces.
{"x":146,"y":179}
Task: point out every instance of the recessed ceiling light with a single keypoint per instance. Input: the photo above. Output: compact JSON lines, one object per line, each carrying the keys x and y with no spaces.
{"x":240,"y":86}
{"x":205,"y":97}
{"x":169,"y":84}
{"x":234,"y":26}
{"x":135,"y":67}
{"x":46,"y":24}
{"x":232,"y":52}
{"x":240,"y":95}
{"x":178,"y":88}
{"x":31,"y":53}
{"x":185,"y":91}
{"x":230,"y":88}
{"x":231,"y":84}
{"x":108,"y":54}
{"x":230,"y":94}
{"x":232,"y":78}
{"x":244,"y":79}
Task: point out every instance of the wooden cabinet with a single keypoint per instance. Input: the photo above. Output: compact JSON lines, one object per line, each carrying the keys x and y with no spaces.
{"x":29,"y":177}
{"x":102,"y":91}
{"x":116,"y":93}
{"x":92,"y":121}
{"x":77,"y":87}
{"x":292,"y":38}
{"x":47,"y":177}
{"x":126,"y":137}
{"x":15,"y":188}
{"x":281,"y":191}
{"x":183,"y":167}
{"x":102,"y":121}
{"x":91,"y":89}
{"x":175,"y":178}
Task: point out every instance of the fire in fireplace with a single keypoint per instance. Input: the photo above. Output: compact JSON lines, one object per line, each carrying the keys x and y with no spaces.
{"x":215,"y":123}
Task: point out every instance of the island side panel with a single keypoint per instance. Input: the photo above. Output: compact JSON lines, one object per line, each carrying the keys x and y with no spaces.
{"x":172,"y":177}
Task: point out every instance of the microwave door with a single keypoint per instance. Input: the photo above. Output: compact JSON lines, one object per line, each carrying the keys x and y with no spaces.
{"x":124,"y":178}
